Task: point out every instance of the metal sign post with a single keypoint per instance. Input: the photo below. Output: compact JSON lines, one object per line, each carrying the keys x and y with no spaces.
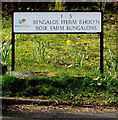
{"x":101,"y":53}
{"x":13,"y":52}
{"x":57,"y":23}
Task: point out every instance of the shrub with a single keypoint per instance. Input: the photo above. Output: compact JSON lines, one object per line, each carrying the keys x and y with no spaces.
{"x":12,"y":85}
{"x":49,"y":86}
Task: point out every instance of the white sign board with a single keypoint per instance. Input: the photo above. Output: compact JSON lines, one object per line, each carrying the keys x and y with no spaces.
{"x":57,"y":22}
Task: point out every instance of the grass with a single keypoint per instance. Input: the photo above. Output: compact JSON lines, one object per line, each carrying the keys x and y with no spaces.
{"x":61,"y":57}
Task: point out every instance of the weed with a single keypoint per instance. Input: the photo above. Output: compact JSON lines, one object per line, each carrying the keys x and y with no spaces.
{"x":5,"y":50}
{"x":111,"y":62}
{"x":41,"y":49}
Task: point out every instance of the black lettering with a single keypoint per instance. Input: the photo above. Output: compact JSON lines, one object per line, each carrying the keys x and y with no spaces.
{"x":41,"y":27}
{"x":56,"y":27}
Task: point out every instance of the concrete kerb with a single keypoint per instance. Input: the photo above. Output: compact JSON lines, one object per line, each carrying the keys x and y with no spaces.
{"x":18,"y":101}
{"x":11,"y":101}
